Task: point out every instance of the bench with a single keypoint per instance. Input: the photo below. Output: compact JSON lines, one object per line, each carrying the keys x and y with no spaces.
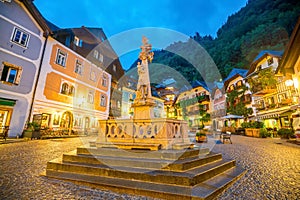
{"x":226,"y":136}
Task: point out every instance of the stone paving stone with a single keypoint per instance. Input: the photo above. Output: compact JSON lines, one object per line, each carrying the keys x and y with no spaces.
{"x":273,"y":170}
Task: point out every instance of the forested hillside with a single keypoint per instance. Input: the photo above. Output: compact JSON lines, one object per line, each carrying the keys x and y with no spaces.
{"x":261,"y":24}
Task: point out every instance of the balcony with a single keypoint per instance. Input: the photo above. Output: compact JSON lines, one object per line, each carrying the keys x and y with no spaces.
{"x":203,"y":98}
{"x":285,"y":102}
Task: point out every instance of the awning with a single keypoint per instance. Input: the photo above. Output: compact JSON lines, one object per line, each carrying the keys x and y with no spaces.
{"x":232,"y":117}
{"x":275,"y":114}
{"x":7,"y":102}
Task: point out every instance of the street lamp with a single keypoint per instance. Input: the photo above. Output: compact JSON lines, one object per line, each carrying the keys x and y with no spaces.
{"x":289,"y":83}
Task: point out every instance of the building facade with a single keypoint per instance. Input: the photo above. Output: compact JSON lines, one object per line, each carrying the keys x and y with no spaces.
{"x":73,"y":93}
{"x":23,"y":36}
{"x":218,"y":107}
{"x":273,"y":99}
{"x":92,"y":44}
{"x":194,"y":105}
{"x":238,"y":98}
{"x":290,"y":68}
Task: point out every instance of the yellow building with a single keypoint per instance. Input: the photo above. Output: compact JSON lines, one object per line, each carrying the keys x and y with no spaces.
{"x":274,"y":100}
{"x":194,"y":105}
{"x":290,"y":68}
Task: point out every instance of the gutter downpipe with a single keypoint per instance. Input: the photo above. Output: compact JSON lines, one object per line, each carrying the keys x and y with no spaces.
{"x":38,"y":76}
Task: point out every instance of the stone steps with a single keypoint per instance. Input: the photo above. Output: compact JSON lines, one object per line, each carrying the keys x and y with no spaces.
{"x":177,"y":165}
{"x":166,"y":174}
{"x":162,"y":154}
{"x":204,"y":190}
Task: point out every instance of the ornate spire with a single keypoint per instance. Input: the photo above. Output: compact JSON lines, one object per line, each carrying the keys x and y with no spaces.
{"x":145,"y":54}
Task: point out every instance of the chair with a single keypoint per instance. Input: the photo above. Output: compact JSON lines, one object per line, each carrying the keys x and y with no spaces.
{"x":226,"y":136}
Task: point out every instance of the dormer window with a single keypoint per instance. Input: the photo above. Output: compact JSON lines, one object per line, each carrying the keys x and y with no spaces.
{"x":96,"y":54}
{"x":77,"y":41}
{"x":114,"y":68}
{"x":101,"y":57}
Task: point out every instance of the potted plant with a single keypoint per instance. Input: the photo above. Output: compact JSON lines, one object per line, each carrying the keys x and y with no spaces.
{"x":285,"y":133}
{"x":253,"y":128}
{"x":27,"y":133}
{"x":36,"y":130}
{"x":32,"y":130}
{"x":263,"y":133}
{"x":201,"y":137}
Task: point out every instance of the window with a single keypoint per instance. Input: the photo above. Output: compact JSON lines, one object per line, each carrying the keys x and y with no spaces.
{"x":61,"y":58}
{"x":78,"y":67}
{"x":104,"y":81}
{"x":239,"y":83}
{"x":231,"y":88}
{"x":64,"y":88}
{"x":102,"y":100}
{"x":72,"y":91}
{"x":20,"y":37}
{"x":90,"y":97}
{"x":101,"y":57}
{"x":114,"y":68}
{"x":259,"y":68}
{"x":96,"y":54}
{"x":67,"y":89}
{"x":11,"y":73}
{"x":93,"y":76}
{"x":270,"y":61}
{"x":77,"y":41}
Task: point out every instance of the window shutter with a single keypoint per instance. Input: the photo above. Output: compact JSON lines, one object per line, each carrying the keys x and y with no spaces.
{"x":1,"y":70}
{"x":18,"y":78}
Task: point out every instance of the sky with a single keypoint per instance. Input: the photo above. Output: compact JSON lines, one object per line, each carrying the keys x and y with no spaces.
{"x":116,"y":17}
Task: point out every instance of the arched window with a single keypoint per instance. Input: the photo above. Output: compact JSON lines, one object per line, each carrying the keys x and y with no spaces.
{"x":72,"y":91}
{"x":91,"y":97}
{"x":64,"y":88}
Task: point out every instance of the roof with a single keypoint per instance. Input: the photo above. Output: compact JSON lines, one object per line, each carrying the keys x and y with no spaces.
{"x":37,"y":16}
{"x":268,"y":52}
{"x":291,"y":52}
{"x":262,"y":54}
{"x":197,"y":83}
{"x":236,"y":71}
{"x":52,"y":26}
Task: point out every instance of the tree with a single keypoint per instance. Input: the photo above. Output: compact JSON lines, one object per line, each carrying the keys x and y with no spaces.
{"x":265,"y":79}
{"x":235,"y":103}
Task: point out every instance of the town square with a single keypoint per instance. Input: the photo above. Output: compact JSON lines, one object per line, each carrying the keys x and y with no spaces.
{"x":150,"y":112}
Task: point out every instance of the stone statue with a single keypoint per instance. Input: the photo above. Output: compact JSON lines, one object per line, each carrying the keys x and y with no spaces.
{"x":143,"y":87}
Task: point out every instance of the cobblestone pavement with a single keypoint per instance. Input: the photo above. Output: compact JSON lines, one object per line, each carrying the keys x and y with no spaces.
{"x":22,"y":163}
{"x":273,"y":170}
